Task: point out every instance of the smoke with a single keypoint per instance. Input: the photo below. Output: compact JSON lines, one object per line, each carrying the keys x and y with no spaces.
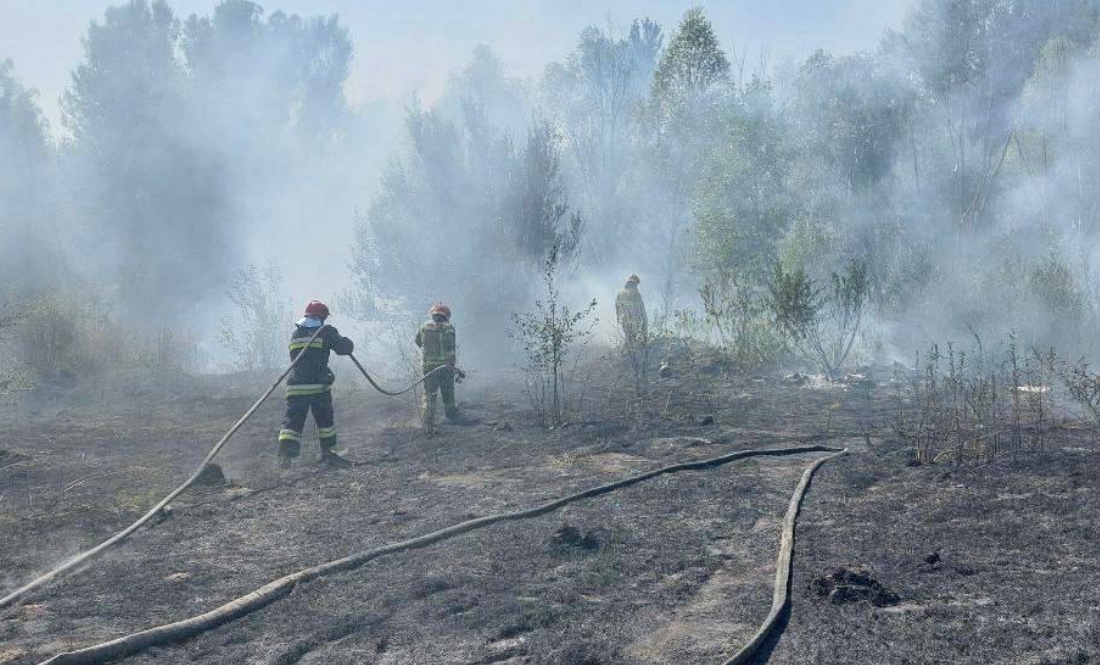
{"x":952,"y":153}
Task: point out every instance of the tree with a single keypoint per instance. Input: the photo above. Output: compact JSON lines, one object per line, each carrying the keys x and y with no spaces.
{"x":549,"y":337}
{"x":256,"y":77}
{"x":26,"y":185}
{"x":851,"y":118}
{"x":484,"y":88}
{"x":463,"y":191}
{"x":596,"y":96}
{"x":692,"y":63}
{"x":743,"y":202}
{"x":821,"y":323}
{"x":537,"y":209}
{"x":154,"y":196}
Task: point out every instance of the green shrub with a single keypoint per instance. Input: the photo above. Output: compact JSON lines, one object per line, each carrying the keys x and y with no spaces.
{"x":821,"y":323}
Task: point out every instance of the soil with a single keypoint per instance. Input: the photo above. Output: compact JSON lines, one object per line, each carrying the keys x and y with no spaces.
{"x":982,"y":564}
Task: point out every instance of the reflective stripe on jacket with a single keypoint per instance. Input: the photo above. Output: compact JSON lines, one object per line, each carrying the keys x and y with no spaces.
{"x":313,"y":369}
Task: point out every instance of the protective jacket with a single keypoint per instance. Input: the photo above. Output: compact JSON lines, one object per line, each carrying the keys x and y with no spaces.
{"x":437,"y":344}
{"x":438,"y":349}
{"x":630,"y":310}
{"x":308,"y":386}
{"x":312,"y":374}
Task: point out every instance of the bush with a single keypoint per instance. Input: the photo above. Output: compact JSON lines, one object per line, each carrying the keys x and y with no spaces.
{"x":739,"y":314}
{"x":972,"y":406}
{"x":1083,"y":386}
{"x":257,"y":335}
{"x":822,"y":324}
{"x":549,"y":335}
{"x":64,"y":337}
{"x":56,"y":334}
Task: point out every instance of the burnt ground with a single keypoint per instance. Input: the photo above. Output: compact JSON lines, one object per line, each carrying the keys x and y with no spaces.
{"x":994,"y":563}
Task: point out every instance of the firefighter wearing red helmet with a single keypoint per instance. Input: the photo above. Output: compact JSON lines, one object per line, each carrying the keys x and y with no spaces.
{"x":437,"y":343}
{"x":309,"y":386}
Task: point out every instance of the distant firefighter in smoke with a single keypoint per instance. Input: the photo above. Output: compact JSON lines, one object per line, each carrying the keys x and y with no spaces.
{"x":437,"y":343}
{"x":630,"y":311}
{"x":309,"y":386}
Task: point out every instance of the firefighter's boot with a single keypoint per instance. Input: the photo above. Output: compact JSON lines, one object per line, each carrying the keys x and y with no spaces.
{"x":288,"y":450}
{"x":330,"y":459}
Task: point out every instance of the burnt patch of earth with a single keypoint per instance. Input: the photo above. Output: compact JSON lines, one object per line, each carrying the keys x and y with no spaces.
{"x":680,"y":569}
{"x":846,"y":585}
{"x":570,"y":537}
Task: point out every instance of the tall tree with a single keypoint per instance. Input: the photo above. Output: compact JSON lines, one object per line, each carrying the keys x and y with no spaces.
{"x":596,"y":97}
{"x":157,"y":199}
{"x":692,"y":63}
{"x":274,"y":74}
{"x":536,"y":209}
{"x":744,"y":201}
{"x":26,"y":183}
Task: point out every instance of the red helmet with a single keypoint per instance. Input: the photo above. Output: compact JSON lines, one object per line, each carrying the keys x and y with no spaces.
{"x":440,"y":309}
{"x":317,"y":308}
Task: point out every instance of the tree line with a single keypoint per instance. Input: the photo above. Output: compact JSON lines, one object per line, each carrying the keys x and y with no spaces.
{"x":951,"y":167}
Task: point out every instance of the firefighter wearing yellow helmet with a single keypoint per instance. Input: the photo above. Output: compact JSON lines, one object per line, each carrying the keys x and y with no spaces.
{"x":436,"y":340}
{"x":630,"y":312}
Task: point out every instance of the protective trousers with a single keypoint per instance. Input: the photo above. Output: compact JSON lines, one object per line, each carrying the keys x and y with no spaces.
{"x":294,"y":421}
{"x":442,"y":382}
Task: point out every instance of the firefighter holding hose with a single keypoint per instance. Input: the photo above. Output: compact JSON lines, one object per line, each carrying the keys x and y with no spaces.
{"x":436,"y":340}
{"x":309,"y":386}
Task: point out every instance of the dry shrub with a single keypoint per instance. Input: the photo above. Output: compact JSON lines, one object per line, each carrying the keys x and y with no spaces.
{"x":971,"y":406}
{"x":62,"y":338}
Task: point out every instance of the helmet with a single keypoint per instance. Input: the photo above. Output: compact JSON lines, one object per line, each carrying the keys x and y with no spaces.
{"x":633,"y":279}
{"x":440,"y":309}
{"x":317,"y":308}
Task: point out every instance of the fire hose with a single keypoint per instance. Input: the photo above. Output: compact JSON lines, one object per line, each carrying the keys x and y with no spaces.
{"x":134,"y":643}
{"x":81,"y":558}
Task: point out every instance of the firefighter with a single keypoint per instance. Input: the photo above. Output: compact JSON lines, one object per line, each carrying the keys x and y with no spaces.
{"x":630,"y":311}
{"x":436,"y":340}
{"x":309,"y":386}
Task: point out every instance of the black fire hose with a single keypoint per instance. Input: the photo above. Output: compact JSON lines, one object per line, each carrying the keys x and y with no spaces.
{"x":382,"y":390}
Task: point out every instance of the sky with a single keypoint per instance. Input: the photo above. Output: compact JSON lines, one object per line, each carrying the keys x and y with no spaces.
{"x":404,"y":48}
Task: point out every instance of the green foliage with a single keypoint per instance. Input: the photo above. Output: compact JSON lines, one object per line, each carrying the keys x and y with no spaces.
{"x":165,"y":115}
{"x":851,"y":117}
{"x":282,"y":72}
{"x":1054,"y":287}
{"x":537,"y":206}
{"x":594,"y":98}
{"x":741,"y":316}
{"x":549,"y":337}
{"x":464,"y":190}
{"x":821,"y":323}
{"x":693,"y":61}
{"x":26,"y":187}
{"x":742,"y":202}
{"x":807,"y":245}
